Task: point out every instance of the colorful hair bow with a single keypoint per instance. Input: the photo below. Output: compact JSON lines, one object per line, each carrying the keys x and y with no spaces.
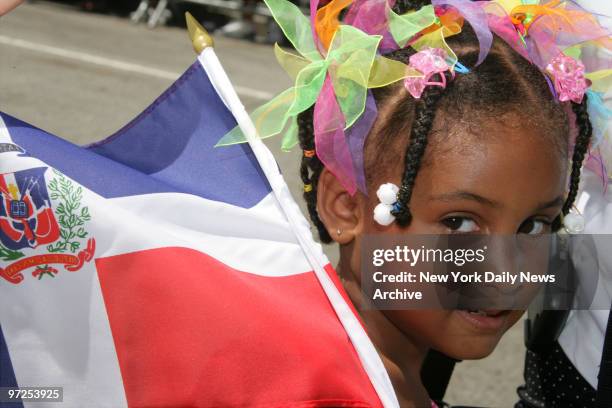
{"x":335,"y":80}
{"x":600,"y":157}
{"x":476,"y":16}
{"x":372,"y":17}
{"x":601,"y":118}
{"x":404,"y":27}
{"x":568,"y":42}
{"x":438,"y":24}
{"x":550,"y":28}
{"x":428,"y":26}
{"x":444,"y":19}
{"x":337,"y":64}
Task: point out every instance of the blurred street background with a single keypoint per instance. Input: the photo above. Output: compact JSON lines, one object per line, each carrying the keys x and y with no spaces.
{"x":83,"y":69}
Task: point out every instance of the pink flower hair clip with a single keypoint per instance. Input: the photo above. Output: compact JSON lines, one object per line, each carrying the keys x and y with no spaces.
{"x":429,"y":61}
{"x":569,"y":80}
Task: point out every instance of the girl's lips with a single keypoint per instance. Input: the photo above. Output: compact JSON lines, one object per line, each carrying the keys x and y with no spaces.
{"x":485,"y":320}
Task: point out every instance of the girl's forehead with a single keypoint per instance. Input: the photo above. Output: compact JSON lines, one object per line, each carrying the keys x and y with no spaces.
{"x":473,"y":133}
{"x":490,"y":152}
{"x":518,"y":163}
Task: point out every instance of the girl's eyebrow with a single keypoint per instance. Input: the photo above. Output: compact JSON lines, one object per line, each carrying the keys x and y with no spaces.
{"x":466,"y":195}
{"x":557,"y":202}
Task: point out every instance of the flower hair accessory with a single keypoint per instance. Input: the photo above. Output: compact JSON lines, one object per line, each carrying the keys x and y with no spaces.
{"x":569,"y":81}
{"x":430,"y":62}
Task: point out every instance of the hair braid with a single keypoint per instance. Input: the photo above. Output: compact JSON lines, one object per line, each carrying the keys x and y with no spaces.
{"x":581,"y":147}
{"x":424,"y":115}
{"x":310,"y":170}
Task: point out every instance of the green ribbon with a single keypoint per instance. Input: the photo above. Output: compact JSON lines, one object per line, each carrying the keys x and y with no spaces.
{"x":404,"y":27}
{"x":351,"y":63}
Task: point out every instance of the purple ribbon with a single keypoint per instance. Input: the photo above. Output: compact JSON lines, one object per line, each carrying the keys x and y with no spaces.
{"x":356,"y":136}
{"x":477,"y":18}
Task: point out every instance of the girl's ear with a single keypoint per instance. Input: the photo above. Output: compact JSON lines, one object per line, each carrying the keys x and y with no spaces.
{"x":340,"y":212}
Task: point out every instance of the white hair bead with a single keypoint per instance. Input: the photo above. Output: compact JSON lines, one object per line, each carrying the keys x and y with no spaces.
{"x":387,"y":193}
{"x":574,"y":223}
{"x":382,"y":214}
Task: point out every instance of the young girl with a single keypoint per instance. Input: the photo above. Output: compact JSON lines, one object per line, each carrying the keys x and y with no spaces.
{"x":478,"y":150}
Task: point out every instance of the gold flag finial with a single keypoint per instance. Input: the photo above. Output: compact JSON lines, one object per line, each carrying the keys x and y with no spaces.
{"x":200,"y":38}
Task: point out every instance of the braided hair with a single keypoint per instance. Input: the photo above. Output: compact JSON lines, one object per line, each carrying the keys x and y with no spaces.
{"x":422,"y":124}
{"x":402,"y":118}
{"x":581,"y":147}
{"x":310,"y":170}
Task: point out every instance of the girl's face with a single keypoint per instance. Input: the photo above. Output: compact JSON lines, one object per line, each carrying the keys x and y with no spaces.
{"x":509,"y":183}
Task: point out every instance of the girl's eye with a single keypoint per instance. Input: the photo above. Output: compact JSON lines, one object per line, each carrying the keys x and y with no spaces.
{"x":460,"y":224}
{"x":533,"y":227}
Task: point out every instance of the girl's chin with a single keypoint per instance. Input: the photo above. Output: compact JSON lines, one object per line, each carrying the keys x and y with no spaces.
{"x":472,"y":352}
{"x":479,"y":333}
{"x":476,"y":349}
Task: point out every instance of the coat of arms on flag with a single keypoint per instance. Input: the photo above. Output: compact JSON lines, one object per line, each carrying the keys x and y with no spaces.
{"x":31,"y":236}
{"x":26,"y":218}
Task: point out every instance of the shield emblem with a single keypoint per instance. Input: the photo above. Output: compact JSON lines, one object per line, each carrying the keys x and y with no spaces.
{"x":26,"y":216}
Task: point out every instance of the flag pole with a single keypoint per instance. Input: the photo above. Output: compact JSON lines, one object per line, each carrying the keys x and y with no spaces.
{"x":203,"y":45}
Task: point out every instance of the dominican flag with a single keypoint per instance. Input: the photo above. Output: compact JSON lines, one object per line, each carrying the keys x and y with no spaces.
{"x":152,"y":269}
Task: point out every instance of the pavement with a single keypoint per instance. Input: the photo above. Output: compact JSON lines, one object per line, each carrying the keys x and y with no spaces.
{"x":83,"y":76}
